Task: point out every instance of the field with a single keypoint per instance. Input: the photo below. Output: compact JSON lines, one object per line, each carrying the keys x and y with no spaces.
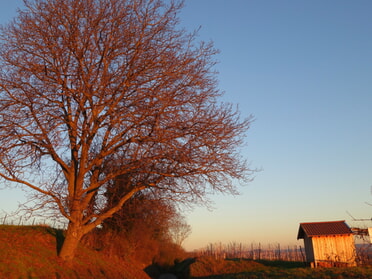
{"x":209,"y":268}
{"x":28,"y":252}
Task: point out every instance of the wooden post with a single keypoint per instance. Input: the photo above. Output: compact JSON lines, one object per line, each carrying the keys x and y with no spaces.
{"x":259,"y":251}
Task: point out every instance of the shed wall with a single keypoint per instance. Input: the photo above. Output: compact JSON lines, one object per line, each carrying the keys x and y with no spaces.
{"x":334,"y":249}
{"x":309,"y":250}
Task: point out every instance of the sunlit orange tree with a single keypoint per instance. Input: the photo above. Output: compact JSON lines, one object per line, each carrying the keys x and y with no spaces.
{"x":88,"y":86}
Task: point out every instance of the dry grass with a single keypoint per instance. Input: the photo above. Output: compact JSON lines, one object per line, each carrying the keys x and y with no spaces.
{"x":210,"y":268}
{"x":31,"y":252}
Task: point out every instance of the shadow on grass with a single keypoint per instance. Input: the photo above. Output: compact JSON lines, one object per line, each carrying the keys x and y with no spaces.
{"x":282,"y":264}
{"x":222,"y":276}
{"x":273,"y":263}
{"x":59,"y":235}
{"x":181,"y":269}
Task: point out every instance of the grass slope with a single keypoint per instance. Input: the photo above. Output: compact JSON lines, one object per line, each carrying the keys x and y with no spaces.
{"x":30,"y":252}
{"x":210,"y":268}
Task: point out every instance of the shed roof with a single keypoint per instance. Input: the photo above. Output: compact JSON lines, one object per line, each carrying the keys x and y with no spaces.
{"x":323,"y":229}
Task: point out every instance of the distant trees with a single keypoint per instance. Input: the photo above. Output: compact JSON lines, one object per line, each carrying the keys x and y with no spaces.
{"x":94,"y":90}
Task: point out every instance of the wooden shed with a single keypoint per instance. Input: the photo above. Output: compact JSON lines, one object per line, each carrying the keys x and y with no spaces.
{"x":328,"y":244}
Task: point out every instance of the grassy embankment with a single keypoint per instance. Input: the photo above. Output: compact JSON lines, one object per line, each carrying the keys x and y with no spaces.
{"x":31,"y":252}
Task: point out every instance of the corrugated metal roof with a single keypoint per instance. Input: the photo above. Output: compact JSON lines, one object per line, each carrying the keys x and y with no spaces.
{"x":323,"y":229}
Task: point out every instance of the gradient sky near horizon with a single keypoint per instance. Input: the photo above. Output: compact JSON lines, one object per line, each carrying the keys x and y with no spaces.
{"x":303,"y":69}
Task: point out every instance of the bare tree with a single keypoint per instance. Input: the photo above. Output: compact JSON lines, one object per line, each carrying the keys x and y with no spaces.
{"x":91,"y":85}
{"x":179,"y":229}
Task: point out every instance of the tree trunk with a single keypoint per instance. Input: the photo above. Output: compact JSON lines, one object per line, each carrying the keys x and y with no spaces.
{"x":74,"y":234}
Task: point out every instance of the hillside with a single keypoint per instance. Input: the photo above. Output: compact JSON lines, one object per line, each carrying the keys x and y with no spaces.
{"x":30,"y":252}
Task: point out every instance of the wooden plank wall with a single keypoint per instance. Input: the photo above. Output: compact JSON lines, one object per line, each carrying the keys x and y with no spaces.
{"x":309,"y":250}
{"x":336,"y":249}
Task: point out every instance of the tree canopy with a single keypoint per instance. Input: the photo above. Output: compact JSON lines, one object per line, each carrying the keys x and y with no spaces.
{"x":96,"y":90}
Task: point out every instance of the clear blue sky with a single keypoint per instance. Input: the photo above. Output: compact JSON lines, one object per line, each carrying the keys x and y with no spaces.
{"x":304,"y":70}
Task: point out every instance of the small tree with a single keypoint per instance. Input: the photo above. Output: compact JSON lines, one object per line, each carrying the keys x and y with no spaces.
{"x":91,"y":85}
{"x":179,"y":230}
